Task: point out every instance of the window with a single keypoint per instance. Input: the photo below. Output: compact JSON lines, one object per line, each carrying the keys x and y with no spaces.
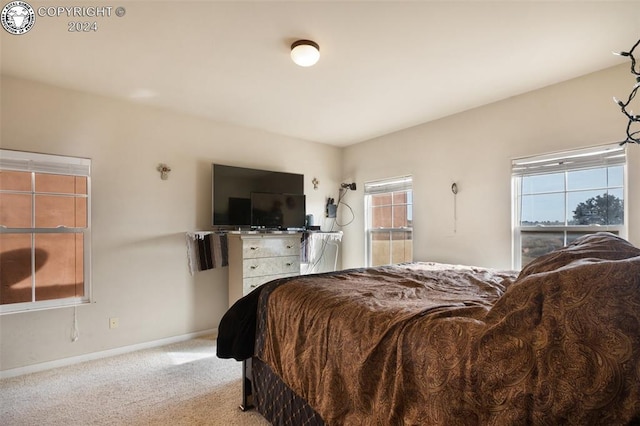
{"x":389,"y":221}
{"x":560,"y":197}
{"x":44,"y":231}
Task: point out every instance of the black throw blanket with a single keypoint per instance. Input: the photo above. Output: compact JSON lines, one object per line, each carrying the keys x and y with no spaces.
{"x":237,"y":328}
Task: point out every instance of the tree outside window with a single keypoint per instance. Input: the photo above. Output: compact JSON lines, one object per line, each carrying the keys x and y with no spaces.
{"x":560,"y":197}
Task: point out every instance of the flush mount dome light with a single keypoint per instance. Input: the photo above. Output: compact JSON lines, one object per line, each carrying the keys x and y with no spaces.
{"x":305,"y":52}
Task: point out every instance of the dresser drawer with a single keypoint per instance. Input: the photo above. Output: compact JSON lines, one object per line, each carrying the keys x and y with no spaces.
{"x":270,"y":266}
{"x":250,"y":284}
{"x":267,"y":247}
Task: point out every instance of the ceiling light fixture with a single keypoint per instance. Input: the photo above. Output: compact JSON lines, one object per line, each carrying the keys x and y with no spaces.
{"x":633,"y":131}
{"x":305,"y":52}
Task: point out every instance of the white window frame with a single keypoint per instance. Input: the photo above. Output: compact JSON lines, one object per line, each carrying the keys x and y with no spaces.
{"x":567,"y":161}
{"x":383,"y":186}
{"x":52,"y":164}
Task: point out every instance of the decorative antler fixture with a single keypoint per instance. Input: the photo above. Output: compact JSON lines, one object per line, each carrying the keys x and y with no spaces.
{"x":351,"y":186}
{"x":164,"y":171}
{"x":633,"y":134}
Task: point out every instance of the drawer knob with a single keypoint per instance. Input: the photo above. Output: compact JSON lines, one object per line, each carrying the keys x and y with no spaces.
{"x":253,"y":285}
{"x":289,"y":246}
{"x":254,"y":266}
{"x":255,"y":248}
{"x":289,"y":264}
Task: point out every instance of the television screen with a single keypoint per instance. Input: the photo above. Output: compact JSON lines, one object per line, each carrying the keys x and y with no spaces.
{"x":277,"y":211}
{"x":232,"y":187}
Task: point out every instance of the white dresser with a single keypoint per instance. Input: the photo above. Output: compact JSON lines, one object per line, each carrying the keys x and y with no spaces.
{"x":256,"y":258}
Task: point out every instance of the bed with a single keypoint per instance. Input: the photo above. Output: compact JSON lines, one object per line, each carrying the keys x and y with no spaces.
{"x":434,"y":344}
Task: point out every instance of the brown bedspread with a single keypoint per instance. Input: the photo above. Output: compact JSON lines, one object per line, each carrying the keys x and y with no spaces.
{"x":427,"y":344}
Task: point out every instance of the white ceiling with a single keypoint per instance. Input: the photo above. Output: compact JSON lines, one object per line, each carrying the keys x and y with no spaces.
{"x":384,"y":66}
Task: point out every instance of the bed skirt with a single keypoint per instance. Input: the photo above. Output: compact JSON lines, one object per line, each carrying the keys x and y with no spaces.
{"x":277,"y":402}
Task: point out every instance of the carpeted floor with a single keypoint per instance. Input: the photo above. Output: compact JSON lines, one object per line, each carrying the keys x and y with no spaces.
{"x":179,"y":384}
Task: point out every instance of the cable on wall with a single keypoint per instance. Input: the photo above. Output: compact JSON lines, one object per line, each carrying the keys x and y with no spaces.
{"x":342,"y":191}
{"x":344,"y":188}
{"x":454,"y":189}
{"x":75,"y":332}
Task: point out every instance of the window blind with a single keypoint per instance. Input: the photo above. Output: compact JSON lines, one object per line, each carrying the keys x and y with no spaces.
{"x":603,"y":156}
{"x":44,"y":163}
{"x":402,"y":183}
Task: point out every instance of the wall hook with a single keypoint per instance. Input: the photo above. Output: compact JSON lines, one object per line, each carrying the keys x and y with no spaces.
{"x":315,"y":183}
{"x":164,"y":171}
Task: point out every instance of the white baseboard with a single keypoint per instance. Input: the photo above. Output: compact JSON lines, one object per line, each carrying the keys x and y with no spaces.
{"x":4,"y":374}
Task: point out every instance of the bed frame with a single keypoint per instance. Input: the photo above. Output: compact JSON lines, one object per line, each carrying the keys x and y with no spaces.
{"x":247,"y":385}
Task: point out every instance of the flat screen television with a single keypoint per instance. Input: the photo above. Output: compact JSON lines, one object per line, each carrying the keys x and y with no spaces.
{"x":277,"y":211}
{"x":232,"y":188}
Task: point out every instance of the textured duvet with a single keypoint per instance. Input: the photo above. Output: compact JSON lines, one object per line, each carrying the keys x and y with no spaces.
{"x":433,"y":344}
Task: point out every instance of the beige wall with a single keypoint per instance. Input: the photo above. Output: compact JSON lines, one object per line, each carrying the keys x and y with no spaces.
{"x":474,"y":149}
{"x":140,"y":272}
{"x":139,"y":262}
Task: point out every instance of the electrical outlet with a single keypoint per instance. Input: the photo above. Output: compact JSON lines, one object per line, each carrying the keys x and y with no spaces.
{"x":113,"y":322}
